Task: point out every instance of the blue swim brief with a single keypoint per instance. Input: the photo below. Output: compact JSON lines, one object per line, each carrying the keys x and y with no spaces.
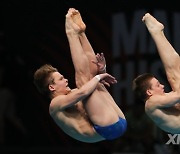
{"x":112,"y":131}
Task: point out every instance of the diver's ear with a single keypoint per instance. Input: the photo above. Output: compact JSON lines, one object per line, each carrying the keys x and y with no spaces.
{"x":149,"y":92}
{"x":51,"y":87}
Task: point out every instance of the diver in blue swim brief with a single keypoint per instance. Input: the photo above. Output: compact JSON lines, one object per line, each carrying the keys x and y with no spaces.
{"x":112,"y":131}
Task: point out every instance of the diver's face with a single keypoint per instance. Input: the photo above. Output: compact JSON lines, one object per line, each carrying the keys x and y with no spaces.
{"x":156,"y":87}
{"x":59,"y":84}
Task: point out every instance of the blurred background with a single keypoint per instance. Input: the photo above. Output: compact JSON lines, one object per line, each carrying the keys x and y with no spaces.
{"x":32,"y":33}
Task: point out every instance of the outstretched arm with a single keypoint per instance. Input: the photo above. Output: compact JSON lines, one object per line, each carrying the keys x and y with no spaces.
{"x":163,"y":101}
{"x":64,"y":101}
{"x":168,"y":55}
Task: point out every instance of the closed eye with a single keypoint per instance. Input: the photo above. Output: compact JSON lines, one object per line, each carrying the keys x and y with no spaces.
{"x":61,"y":77}
{"x":158,"y":84}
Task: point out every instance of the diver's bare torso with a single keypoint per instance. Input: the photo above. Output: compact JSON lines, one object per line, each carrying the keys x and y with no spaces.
{"x":74,"y":122}
{"x":168,"y":119}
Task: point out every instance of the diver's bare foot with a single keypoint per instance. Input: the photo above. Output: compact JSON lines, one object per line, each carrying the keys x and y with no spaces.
{"x":152,"y":24}
{"x":70,"y":25}
{"x":78,"y":20}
